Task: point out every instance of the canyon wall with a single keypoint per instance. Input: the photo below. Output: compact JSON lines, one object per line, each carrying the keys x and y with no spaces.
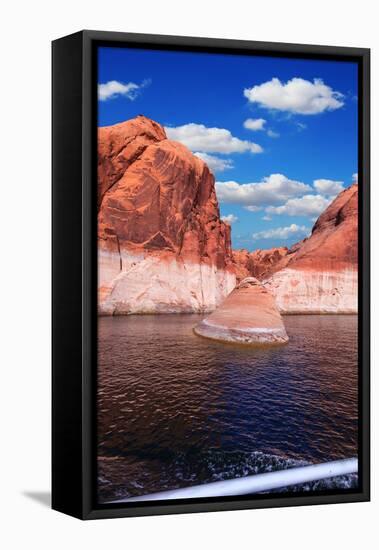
{"x":320,"y":274}
{"x":162,"y":247}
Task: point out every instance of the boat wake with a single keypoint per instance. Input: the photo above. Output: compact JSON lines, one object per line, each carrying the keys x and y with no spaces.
{"x":211,"y":466}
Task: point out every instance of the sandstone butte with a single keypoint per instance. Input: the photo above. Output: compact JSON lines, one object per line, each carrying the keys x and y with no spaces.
{"x":162,"y":247}
{"x":319,"y":274}
{"x":247,"y":316}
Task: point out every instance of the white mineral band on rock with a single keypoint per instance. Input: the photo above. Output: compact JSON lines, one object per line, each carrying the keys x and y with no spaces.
{"x":243,"y":335}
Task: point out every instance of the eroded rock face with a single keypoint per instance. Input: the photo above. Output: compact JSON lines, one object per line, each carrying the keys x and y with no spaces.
{"x":247,"y":316}
{"x":162,"y":246}
{"x":320,"y":274}
{"x":258,"y":263}
{"x":299,"y":291}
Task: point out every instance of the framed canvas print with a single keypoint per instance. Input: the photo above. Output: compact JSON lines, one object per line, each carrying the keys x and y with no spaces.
{"x":210,"y":274}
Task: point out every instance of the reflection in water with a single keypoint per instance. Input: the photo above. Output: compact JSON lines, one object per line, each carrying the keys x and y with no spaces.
{"x":175,"y":409}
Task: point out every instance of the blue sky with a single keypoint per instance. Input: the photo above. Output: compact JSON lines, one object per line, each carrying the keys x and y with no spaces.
{"x":280,"y":135}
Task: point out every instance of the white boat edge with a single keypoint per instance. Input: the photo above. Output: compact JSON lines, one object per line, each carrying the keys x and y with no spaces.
{"x":254,"y":484}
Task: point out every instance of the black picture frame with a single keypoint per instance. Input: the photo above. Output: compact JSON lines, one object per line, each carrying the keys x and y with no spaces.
{"x":74,"y":272}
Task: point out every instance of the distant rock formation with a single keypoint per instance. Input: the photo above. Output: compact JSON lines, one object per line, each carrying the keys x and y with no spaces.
{"x":162,"y":246}
{"x":247,"y":316}
{"x":320,"y":274}
{"x":257,"y":264}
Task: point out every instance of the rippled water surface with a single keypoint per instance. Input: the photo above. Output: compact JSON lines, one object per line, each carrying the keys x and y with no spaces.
{"x":175,"y":409}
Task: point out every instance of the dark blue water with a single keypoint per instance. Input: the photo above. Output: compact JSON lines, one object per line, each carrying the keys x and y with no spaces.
{"x":176,"y":410}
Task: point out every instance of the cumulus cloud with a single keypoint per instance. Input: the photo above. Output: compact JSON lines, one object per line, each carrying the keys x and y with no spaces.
{"x":216,"y":164}
{"x":254,"y":124}
{"x":328,"y":187}
{"x":198,"y":137}
{"x":267,"y":218}
{"x":230,"y":218}
{"x":308,"y":205}
{"x":274,"y":189}
{"x":296,"y":96}
{"x":355,"y":177}
{"x":284,"y":233}
{"x":113,"y":89}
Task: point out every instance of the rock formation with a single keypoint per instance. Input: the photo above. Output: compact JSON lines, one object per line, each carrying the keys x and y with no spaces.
{"x":320,"y":274}
{"x":162,"y":246}
{"x":247,"y":316}
{"x":257,"y":264}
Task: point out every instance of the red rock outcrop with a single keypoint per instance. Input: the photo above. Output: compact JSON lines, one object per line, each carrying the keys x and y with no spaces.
{"x":247,"y":316}
{"x":162,"y":245}
{"x":257,"y":264}
{"x":319,"y":274}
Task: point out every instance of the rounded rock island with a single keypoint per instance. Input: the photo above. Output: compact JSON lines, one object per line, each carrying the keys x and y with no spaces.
{"x":247,"y":316}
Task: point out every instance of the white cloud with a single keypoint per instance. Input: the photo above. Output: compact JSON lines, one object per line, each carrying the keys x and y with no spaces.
{"x":254,"y":124}
{"x":328,"y":187}
{"x":284,"y":233}
{"x":198,"y":137}
{"x":272,"y":134}
{"x":216,"y":164}
{"x":267,"y":218}
{"x":308,"y":205}
{"x":113,"y":88}
{"x":274,"y":189}
{"x":355,"y":177}
{"x":253,"y":208}
{"x":296,"y":96}
{"x":230,"y":218}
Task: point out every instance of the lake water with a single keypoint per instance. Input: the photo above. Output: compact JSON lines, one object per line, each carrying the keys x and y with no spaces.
{"x":176,"y":410}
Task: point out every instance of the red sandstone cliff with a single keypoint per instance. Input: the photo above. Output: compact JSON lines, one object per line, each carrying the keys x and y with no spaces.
{"x":333,"y":244}
{"x":162,"y":244}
